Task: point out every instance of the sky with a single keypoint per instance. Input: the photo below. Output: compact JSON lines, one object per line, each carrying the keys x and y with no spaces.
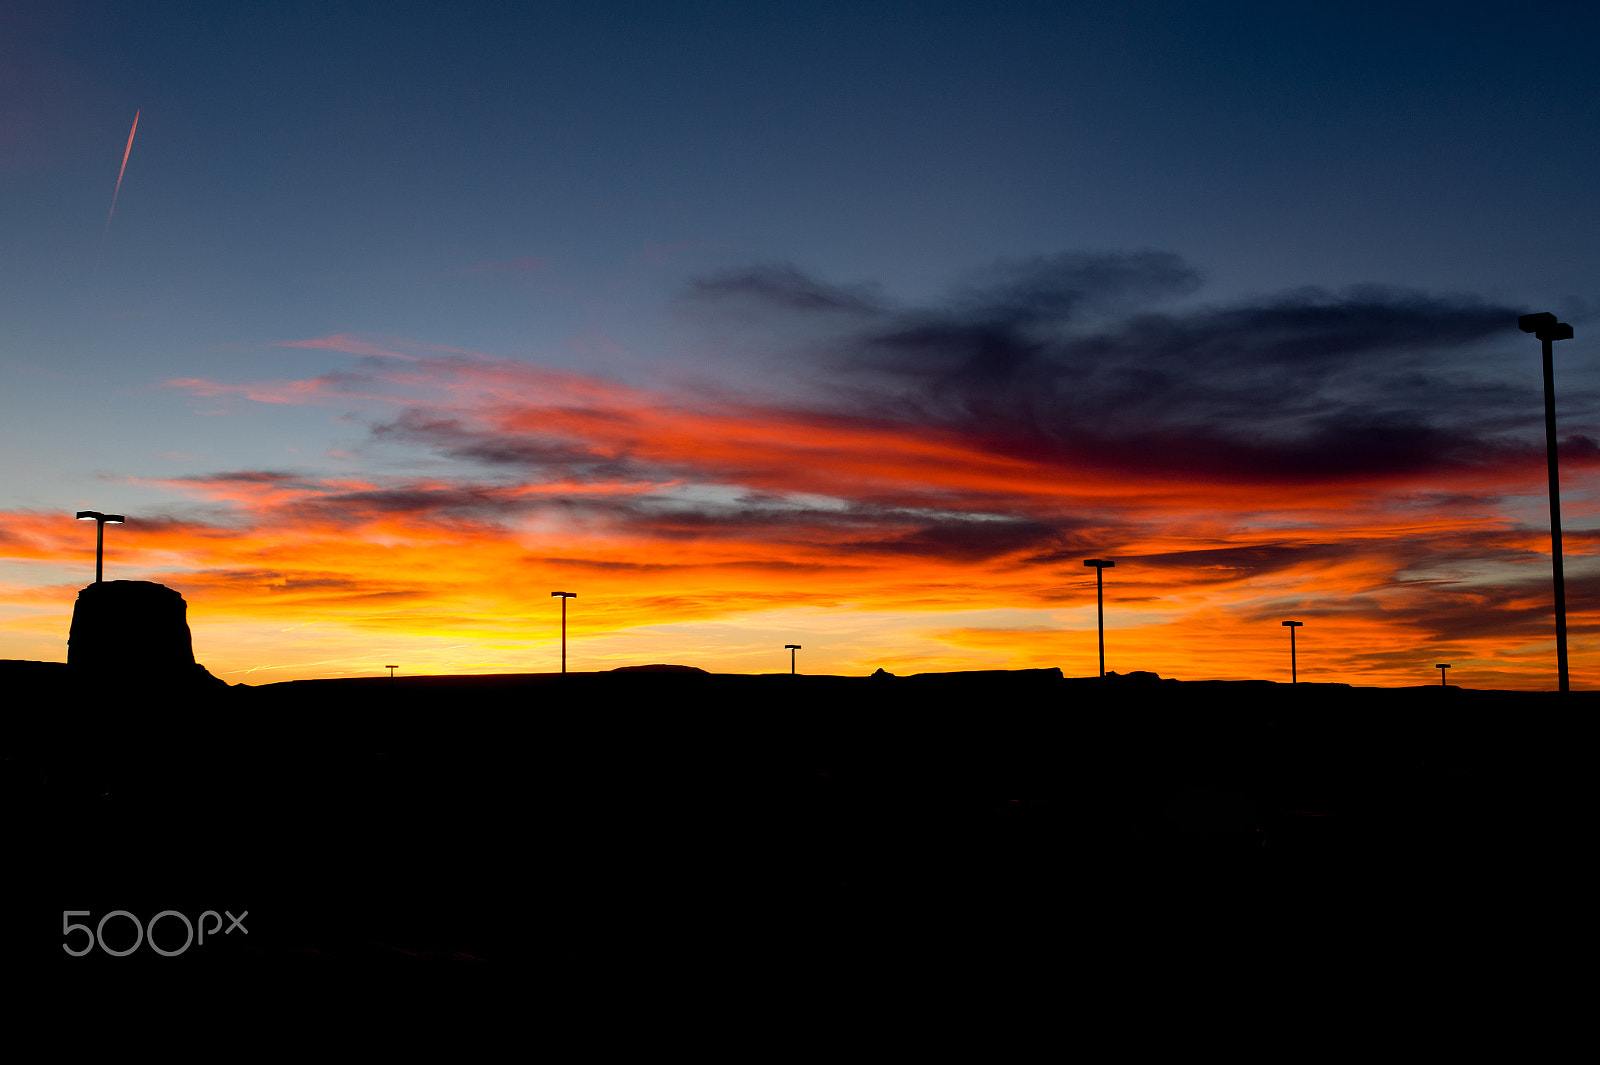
{"x":854,"y":326}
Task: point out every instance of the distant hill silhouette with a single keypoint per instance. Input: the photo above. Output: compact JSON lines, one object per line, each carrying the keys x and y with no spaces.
{"x":991,"y":676}
{"x":795,"y":826}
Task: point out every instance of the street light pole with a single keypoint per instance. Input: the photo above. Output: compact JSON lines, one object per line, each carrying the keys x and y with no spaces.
{"x":564,"y":597}
{"x":1294,"y":670}
{"x":1100,"y":565}
{"x":1548,"y":330}
{"x":1441,"y":667}
{"x":791,"y":648}
{"x":100,"y":522}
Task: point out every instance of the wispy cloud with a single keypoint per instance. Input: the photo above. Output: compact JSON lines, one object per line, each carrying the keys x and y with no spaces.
{"x":385,"y":348}
{"x":310,"y":390}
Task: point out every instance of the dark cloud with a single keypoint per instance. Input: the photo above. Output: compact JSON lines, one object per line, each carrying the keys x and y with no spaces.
{"x":1578,"y":449}
{"x":1443,"y":611}
{"x":1240,"y":561}
{"x":600,"y":565}
{"x":312,"y":499}
{"x":298,"y":585}
{"x":1078,"y":363}
{"x":862,"y":529}
{"x":478,"y":501}
{"x":553,"y":459}
{"x":877,"y":530}
{"x":261,"y":477}
{"x":1074,"y":285}
{"x":1066,"y":361}
{"x":1063,"y":360}
{"x":955,"y":540}
{"x":781,"y":286}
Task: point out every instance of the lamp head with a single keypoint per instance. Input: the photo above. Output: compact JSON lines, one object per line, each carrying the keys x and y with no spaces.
{"x":1099,"y":563}
{"x":1294,"y":624}
{"x":564,"y":595}
{"x":1442,"y":665}
{"x":114,"y":519}
{"x":89,"y":515}
{"x":792,"y":647}
{"x":1544,"y":326}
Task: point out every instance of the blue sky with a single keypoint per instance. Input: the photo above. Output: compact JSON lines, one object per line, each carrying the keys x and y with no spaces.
{"x":548,"y":183}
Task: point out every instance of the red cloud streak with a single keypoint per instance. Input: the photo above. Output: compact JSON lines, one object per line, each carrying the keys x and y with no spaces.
{"x":678,"y":508}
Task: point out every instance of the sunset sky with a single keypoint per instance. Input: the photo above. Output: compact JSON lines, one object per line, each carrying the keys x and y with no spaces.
{"x":856,"y":326}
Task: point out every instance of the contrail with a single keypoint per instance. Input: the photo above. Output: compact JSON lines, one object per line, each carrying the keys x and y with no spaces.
{"x":124,"y":169}
{"x":125,"y":152}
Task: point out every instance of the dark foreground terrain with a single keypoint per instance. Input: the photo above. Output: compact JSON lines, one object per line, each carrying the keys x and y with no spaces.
{"x":646,"y":826}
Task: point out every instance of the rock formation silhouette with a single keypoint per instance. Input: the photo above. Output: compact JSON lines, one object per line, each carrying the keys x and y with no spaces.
{"x":127,"y":631}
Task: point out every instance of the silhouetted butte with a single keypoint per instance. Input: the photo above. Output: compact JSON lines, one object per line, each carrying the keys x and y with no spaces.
{"x":126,"y":631}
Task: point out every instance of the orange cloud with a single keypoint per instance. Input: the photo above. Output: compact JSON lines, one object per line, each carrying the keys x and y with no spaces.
{"x":694,"y":524}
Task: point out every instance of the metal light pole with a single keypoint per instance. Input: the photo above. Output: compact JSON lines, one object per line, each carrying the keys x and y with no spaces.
{"x":1547,"y":329}
{"x":100,"y":522}
{"x":391,"y":670}
{"x":1100,"y":566}
{"x":1441,"y":667}
{"x":1294,"y":671}
{"x":564,"y":597}
{"x":791,"y":648}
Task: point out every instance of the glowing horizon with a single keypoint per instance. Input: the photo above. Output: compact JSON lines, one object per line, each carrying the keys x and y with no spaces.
{"x":710,"y":526}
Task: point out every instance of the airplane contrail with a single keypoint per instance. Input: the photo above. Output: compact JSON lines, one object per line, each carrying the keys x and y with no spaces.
{"x":124,"y":169}
{"x":125,"y":153}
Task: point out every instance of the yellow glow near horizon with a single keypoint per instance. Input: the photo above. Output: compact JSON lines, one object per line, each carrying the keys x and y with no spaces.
{"x":712,"y":533}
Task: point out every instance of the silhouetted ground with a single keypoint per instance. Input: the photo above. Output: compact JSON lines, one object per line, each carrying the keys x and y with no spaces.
{"x":635,"y":826}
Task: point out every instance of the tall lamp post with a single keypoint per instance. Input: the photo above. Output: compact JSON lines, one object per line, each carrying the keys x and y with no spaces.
{"x":100,"y":522}
{"x":564,"y":597}
{"x":1441,"y":667}
{"x":791,"y":648}
{"x":1544,"y":326}
{"x":1294,"y":671}
{"x":1100,"y":566}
